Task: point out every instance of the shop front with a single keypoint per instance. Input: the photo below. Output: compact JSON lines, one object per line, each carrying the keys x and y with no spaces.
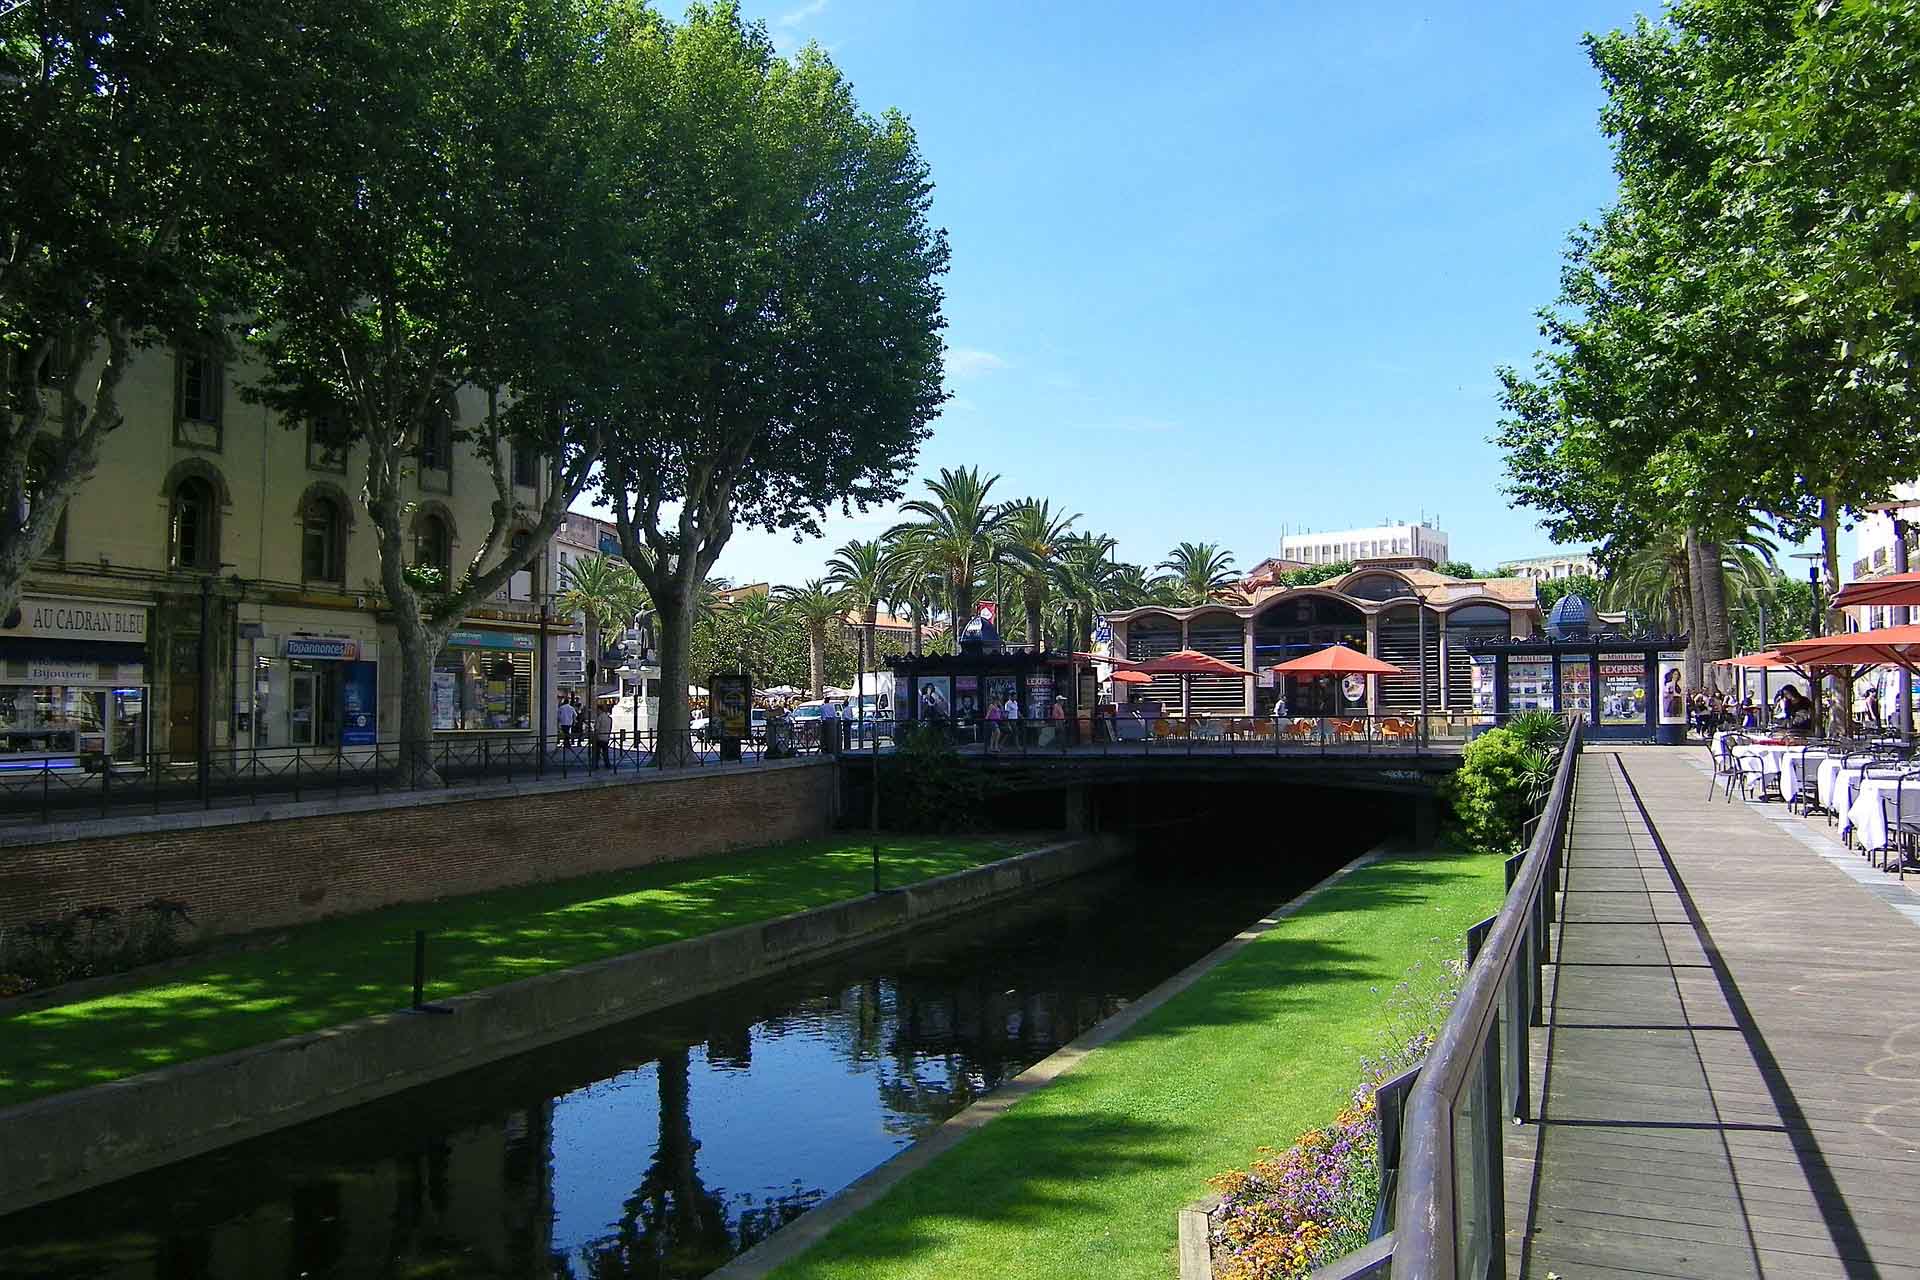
{"x":1621,"y":689}
{"x":483,"y":682}
{"x":332,"y":693}
{"x":75,"y":684}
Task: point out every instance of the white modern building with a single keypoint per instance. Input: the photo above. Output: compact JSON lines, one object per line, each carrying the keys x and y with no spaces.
{"x":1424,"y":540}
{"x":1558,"y":564}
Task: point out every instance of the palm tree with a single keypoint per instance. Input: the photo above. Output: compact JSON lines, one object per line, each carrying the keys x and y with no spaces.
{"x":955,"y":533}
{"x":1031,"y":538}
{"x":816,"y":605}
{"x":755,"y":620}
{"x":1088,"y":583}
{"x":606,"y":592}
{"x":1197,"y":572}
{"x":859,"y":569}
{"x":1657,"y":580}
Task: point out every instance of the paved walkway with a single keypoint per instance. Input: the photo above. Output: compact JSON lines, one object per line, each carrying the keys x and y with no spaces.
{"x":1732,"y":1063}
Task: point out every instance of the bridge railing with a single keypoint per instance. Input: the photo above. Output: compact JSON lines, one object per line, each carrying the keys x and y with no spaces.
{"x":1393,"y":733}
{"x":74,"y":786}
{"x":1448,"y":1198}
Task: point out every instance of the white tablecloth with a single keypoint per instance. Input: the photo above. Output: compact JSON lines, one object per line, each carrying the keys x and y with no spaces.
{"x":1867,"y":817}
{"x":1785,"y":761}
{"x":1846,"y":787}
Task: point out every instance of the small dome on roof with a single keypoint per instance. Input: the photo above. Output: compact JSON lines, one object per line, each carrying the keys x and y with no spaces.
{"x":1571,"y":618}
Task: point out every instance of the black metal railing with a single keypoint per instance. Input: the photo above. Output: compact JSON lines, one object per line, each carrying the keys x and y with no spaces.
{"x":1408,"y":733}
{"x":1445,"y":1175}
{"x":67,"y":787}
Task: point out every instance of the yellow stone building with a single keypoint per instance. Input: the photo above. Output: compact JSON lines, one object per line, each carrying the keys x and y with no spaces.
{"x":211,"y":520}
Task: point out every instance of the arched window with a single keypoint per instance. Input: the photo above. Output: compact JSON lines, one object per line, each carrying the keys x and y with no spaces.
{"x":193,"y":541}
{"x":432,"y":545}
{"x":323,"y":540}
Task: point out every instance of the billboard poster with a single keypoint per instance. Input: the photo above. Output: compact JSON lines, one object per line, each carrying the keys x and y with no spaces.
{"x":731,"y":697}
{"x":966,"y":697}
{"x":1576,"y":685}
{"x":359,"y":704}
{"x":1673,"y":688}
{"x":1039,"y":696}
{"x":1483,"y":683}
{"x":1529,"y":684}
{"x":1623,"y":688}
{"x":1004,"y":689}
{"x":936,"y":699}
{"x":446,"y":699}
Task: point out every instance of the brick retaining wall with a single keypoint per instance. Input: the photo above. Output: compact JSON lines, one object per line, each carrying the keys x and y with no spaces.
{"x":244,"y":870}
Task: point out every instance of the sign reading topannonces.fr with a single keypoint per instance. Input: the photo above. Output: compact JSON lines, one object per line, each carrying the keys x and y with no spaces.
{"x":75,"y":619}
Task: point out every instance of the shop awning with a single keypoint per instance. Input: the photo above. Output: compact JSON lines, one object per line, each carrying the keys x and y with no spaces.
{"x":1888,"y":589}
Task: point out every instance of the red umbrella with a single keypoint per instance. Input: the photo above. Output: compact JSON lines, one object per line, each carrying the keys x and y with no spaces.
{"x":1887,"y":589}
{"x":1337,"y":660}
{"x":1132,"y":677}
{"x":1187,"y":663}
{"x":1899,"y":646}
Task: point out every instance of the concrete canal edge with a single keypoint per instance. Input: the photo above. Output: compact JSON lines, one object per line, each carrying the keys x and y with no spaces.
{"x":70,"y":1142}
{"x":812,"y":1226}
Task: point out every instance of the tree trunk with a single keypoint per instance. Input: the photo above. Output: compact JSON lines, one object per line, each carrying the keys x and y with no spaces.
{"x":871,"y":660}
{"x":817,"y":658}
{"x":674,"y":622}
{"x":1696,"y":613}
{"x":1713,"y":595}
{"x":1033,"y":597}
{"x":915,"y":615}
{"x":1830,"y":560}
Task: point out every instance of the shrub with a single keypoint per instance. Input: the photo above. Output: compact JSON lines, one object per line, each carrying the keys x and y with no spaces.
{"x":932,"y":788}
{"x":87,"y":943}
{"x":1492,"y":791}
{"x":1541,"y":730}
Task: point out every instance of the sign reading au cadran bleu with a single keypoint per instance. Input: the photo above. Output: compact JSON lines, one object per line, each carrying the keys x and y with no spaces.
{"x":57,"y":619}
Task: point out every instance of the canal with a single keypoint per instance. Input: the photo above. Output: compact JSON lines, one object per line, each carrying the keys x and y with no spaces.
{"x":663,"y":1146}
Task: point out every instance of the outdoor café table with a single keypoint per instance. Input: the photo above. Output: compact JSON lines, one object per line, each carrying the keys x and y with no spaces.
{"x":1777,"y":757}
{"x":1826,"y":780}
{"x":1867,"y":819}
{"x":1847,"y":782}
{"x":1792,"y":761}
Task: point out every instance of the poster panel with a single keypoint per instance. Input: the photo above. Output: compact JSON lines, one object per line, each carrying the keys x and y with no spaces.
{"x":1576,"y":685}
{"x":1004,"y":689}
{"x":966,"y":698}
{"x":936,"y":698}
{"x":1673,"y":688}
{"x":1483,"y":683}
{"x":732,"y":703}
{"x":359,"y":704}
{"x":446,"y":699}
{"x":1530,"y":684}
{"x":1623,"y":688}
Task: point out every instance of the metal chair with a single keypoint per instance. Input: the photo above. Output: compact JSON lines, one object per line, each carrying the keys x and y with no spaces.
{"x":1720,"y":753}
{"x":1805,"y":799}
{"x":1747,"y":770}
{"x":1902,"y":840}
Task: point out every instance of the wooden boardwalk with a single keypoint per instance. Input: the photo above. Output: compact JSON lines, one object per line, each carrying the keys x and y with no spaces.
{"x":1729,"y":1082}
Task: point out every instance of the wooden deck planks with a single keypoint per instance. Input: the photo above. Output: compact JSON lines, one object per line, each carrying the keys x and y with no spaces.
{"x":1728,"y":1091}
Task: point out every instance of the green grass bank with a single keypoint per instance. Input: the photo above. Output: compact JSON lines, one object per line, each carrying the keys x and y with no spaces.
{"x":1084,"y":1178}
{"x":326,"y":974}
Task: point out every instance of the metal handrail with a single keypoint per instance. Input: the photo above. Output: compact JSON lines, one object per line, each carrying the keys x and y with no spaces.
{"x":1503,"y":985}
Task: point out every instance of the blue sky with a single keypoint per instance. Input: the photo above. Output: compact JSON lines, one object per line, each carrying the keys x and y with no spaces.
{"x":1221,"y":270}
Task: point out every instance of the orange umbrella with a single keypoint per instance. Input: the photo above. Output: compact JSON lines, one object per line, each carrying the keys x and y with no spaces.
{"x":1771,"y":660}
{"x":1337,"y":660}
{"x":1887,"y":589}
{"x":1132,"y":677}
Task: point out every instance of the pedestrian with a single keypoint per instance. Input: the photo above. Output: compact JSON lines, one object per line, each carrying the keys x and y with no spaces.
{"x":994,"y":716}
{"x":565,"y":717}
{"x":1873,"y":706}
{"x":603,"y":734}
{"x":829,"y":728}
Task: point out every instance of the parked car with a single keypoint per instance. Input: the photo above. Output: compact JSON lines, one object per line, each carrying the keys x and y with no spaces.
{"x":704,"y":731}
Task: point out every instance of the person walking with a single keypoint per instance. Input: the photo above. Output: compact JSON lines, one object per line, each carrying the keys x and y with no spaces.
{"x":565,"y":717}
{"x":829,"y":728}
{"x":603,"y":735}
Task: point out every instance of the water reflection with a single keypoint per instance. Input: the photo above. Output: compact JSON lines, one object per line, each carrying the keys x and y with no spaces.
{"x":664,"y":1146}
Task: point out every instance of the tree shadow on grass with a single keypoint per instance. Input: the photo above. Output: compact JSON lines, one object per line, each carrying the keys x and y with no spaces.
{"x":335,"y":971}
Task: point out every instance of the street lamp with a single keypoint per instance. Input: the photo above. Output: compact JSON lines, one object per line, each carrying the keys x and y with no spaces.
{"x":1813,"y":559}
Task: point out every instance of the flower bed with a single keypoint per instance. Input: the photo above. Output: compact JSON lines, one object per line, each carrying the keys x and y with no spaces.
{"x":1292,"y":1212}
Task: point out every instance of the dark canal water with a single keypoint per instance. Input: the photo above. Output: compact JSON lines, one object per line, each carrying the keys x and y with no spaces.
{"x":663,"y":1146}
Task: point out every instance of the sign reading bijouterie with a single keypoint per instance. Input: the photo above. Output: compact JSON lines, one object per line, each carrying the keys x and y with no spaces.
{"x":55,"y":619}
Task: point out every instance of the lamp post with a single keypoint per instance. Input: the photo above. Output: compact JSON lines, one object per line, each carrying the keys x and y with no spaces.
{"x":544,"y":694}
{"x":1813,"y":559}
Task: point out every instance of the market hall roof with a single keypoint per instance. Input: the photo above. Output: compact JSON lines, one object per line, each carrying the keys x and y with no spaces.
{"x":1437,"y":590}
